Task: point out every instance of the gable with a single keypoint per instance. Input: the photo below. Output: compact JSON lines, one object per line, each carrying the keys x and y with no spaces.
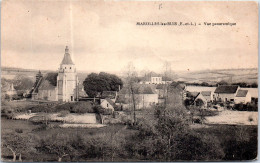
{"x":206,"y":93}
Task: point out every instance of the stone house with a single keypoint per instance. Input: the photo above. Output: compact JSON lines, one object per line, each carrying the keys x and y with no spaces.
{"x":108,"y":104}
{"x":226,"y":93}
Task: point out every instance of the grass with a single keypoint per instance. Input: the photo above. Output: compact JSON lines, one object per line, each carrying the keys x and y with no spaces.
{"x":238,"y":142}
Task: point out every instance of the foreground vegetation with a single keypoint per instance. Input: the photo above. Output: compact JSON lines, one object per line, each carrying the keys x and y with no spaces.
{"x":171,"y":142}
{"x":162,"y":133}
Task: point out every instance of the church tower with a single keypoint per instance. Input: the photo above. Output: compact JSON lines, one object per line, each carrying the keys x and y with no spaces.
{"x":67,"y":80}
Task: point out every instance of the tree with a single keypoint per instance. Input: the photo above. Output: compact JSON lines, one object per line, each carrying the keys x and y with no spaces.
{"x":131,"y":84}
{"x":222,"y":82}
{"x":58,"y":144}
{"x":97,"y":83}
{"x":254,"y":85}
{"x":23,"y":82}
{"x":204,"y":84}
{"x":199,"y":102}
{"x":16,"y":144}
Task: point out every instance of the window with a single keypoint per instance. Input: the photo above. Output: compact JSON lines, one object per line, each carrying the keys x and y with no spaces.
{"x":65,"y":67}
{"x":70,"y":67}
{"x":107,"y":105}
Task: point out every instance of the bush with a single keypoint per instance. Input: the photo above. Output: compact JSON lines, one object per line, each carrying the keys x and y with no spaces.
{"x":82,"y":107}
{"x":63,"y":113}
{"x":246,"y":107}
{"x":77,"y":107}
{"x":98,"y":109}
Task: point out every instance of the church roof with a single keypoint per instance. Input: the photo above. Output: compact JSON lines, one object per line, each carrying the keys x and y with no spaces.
{"x":46,"y":85}
{"x":67,"y":58}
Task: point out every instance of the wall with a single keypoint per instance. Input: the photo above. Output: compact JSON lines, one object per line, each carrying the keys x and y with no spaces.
{"x":50,"y":95}
{"x":66,"y":86}
{"x":225,"y":96}
{"x":156,"y":80}
{"x":106,"y":105}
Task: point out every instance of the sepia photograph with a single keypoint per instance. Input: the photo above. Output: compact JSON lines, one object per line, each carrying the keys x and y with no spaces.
{"x":129,"y":81}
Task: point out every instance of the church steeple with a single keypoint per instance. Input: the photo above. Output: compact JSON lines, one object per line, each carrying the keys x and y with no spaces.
{"x":67,"y":59}
{"x":67,"y":79}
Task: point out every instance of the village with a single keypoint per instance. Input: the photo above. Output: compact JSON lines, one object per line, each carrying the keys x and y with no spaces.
{"x":60,"y":100}
{"x":119,"y":81}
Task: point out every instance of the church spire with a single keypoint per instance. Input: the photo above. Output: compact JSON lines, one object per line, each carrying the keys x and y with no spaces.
{"x":67,"y":59}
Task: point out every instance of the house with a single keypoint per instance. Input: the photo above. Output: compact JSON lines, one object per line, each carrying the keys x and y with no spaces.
{"x":156,"y":80}
{"x":243,"y":96}
{"x":201,"y":98}
{"x":108,"y":104}
{"x":62,"y":86}
{"x":226,"y":93}
{"x":208,"y":95}
{"x":144,"y":96}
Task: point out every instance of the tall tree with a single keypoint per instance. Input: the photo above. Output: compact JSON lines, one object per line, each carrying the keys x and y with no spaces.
{"x":97,"y":83}
{"x":131,"y":81}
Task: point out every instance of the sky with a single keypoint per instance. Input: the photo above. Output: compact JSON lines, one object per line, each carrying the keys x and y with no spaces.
{"x":103,"y":35}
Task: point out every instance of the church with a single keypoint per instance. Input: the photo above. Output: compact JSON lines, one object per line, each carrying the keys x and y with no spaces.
{"x":62,"y":86}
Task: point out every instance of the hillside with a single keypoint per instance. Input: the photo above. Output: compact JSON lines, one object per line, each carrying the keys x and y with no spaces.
{"x":210,"y":76}
{"x":11,"y":73}
{"x":213,"y":76}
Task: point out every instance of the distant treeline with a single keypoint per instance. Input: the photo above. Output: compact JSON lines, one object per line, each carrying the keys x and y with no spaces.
{"x":241,"y":84}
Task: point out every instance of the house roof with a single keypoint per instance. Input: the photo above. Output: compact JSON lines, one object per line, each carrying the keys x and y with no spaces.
{"x":109,"y":94}
{"x":192,"y":94}
{"x":226,"y":89}
{"x":241,"y":93}
{"x":206,"y":93}
{"x":139,"y":89}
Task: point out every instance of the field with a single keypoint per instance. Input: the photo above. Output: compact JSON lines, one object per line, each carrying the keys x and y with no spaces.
{"x":213,"y":76}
